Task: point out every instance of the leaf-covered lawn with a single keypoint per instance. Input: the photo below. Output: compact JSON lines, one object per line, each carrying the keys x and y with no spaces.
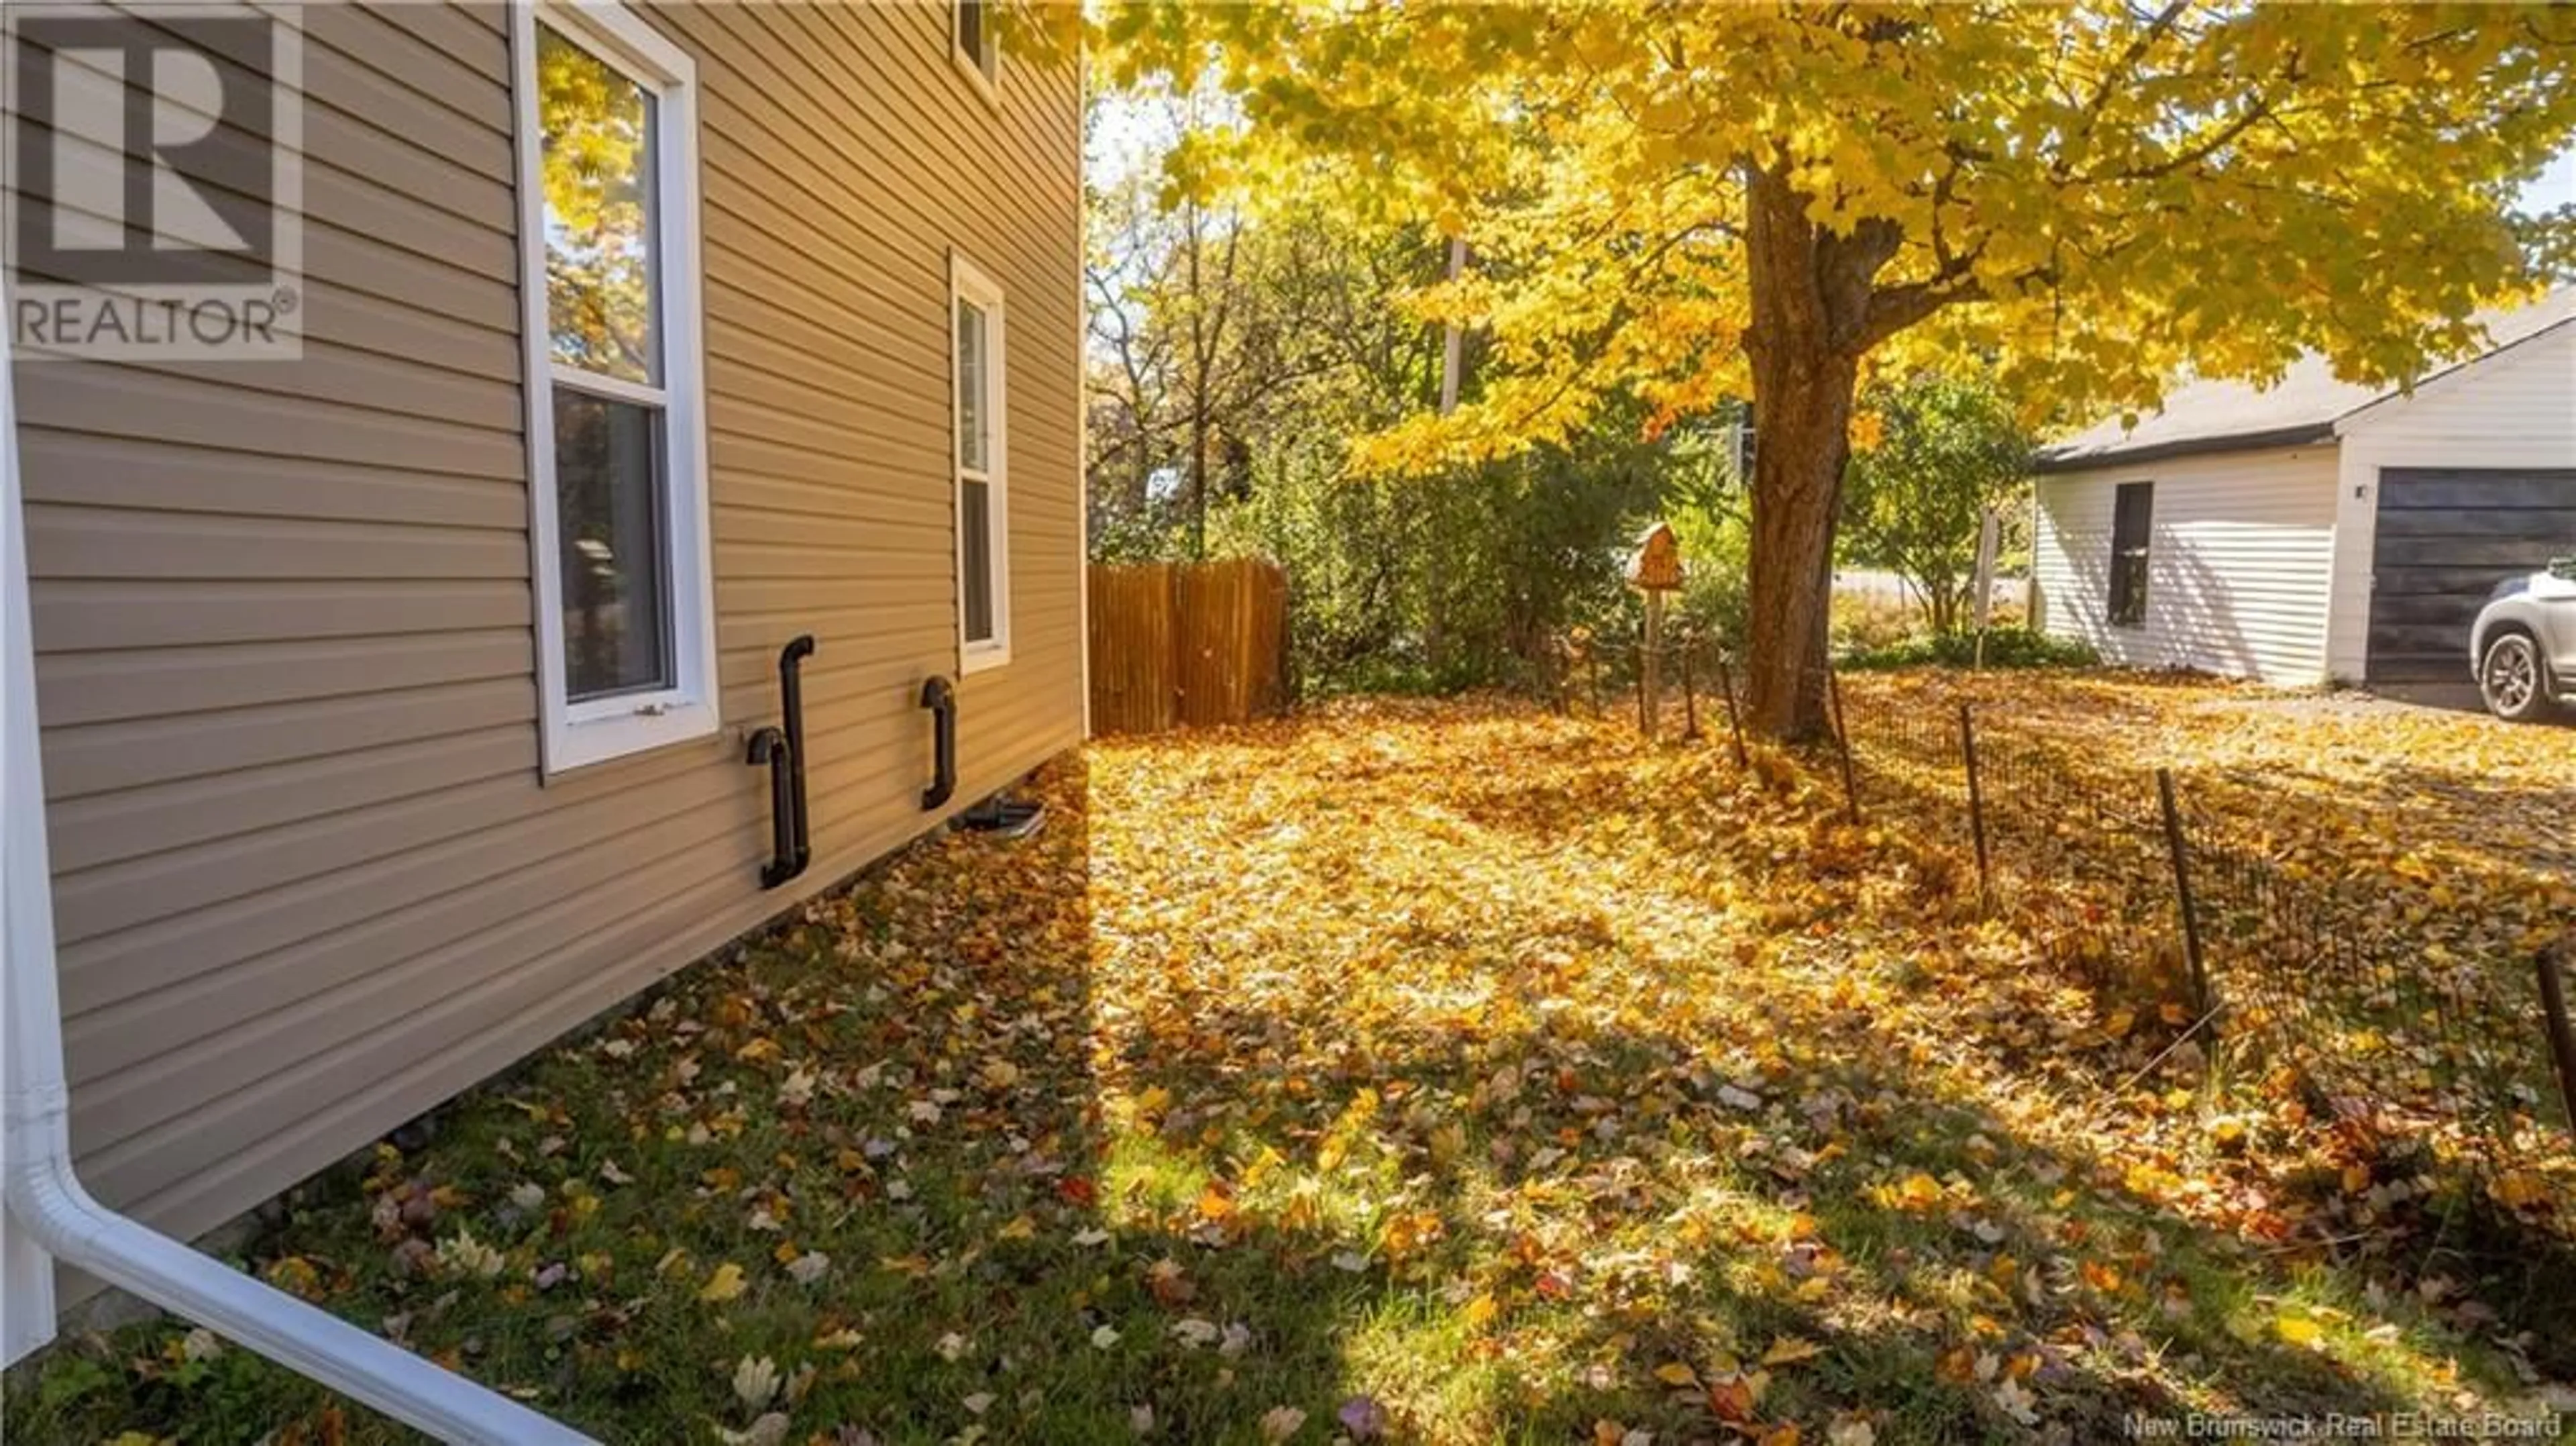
{"x":1437,"y":1072}
{"x":2341,"y":783}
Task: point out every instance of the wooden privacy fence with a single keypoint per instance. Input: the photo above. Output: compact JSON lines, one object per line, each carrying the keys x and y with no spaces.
{"x":1187,"y":644}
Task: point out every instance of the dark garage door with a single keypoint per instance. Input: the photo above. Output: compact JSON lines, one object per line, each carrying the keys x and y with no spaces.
{"x":2447,"y":536}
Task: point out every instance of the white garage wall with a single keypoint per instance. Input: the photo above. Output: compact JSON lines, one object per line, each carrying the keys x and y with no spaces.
{"x":2516,"y":408}
{"x":2239,"y":569}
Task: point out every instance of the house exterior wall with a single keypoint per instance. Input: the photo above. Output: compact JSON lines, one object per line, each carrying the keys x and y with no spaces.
{"x":309,"y":880}
{"x":2516,"y":408}
{"x":2239,"y":570}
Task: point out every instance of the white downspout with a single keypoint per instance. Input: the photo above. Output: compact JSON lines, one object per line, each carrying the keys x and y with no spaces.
{"x":47,"y":1212}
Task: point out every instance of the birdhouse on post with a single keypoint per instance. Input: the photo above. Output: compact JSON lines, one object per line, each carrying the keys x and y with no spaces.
{"x":1655,"y":570}
{"x":1657,"y":565}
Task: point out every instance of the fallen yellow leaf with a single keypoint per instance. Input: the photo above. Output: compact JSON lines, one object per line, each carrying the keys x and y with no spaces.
{"x":724,"y":1285}
{"x":1788,"y":1350}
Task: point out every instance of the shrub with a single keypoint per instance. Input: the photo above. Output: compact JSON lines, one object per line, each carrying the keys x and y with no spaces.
{"x":2005,"y":648}
{"x":1867,"y":622}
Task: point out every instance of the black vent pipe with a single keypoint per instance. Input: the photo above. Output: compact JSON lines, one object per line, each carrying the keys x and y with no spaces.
{"x":940,"y":697}
{"x":782,"y":749}
{"x":791,"y":705}
{"x":769,"y":746}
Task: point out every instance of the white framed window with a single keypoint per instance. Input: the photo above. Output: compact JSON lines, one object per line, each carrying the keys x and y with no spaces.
{"x":975,"y":47}
{"x":976,"y":339}
{"x":617,"y":461}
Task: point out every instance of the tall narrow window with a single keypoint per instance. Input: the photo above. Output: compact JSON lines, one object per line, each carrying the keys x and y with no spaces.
{"x":983,"y":551}
{"x":2133,"y":510}
{"x":617,"y":466}
{"x":978,"y":49}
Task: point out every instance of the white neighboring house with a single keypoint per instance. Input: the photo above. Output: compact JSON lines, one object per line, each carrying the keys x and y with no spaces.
{"x":2316,"y":531}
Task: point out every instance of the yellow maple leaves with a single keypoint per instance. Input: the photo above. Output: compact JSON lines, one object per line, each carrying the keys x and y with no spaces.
{"x":1917,"y":1192}
{"x":1481,"y":1037}
{"x":2099,"y":244}
{"x":2299,"y":1329}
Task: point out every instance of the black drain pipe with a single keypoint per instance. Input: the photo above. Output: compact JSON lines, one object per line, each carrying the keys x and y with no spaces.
{"x":791,"y":846}
{"x":791,"y":702}
{"x":940,"y":697}
{"x":770,"y":747}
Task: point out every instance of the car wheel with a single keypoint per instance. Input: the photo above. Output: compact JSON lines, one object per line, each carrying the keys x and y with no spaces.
{"x":2510,"y":678}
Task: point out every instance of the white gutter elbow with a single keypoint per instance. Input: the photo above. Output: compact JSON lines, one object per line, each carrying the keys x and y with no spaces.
{"x":48,"y":1202}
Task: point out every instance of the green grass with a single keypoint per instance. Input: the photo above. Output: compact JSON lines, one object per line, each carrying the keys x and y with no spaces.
{"x":2004,"y":648}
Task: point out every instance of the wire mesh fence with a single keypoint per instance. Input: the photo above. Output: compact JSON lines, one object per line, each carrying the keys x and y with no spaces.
{"x":2154,"y":888}
{"x":2426,"y":1042}
{"x":2079,"y":862}
{"x":1605,"y":674}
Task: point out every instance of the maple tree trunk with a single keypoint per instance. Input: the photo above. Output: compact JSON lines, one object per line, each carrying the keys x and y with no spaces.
{"x":1811,"y":297}
{"x":1804,"y":439}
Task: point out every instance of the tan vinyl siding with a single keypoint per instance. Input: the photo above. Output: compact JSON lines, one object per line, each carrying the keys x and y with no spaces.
{"x":2239,"y":567}
{"x":309,"y":882}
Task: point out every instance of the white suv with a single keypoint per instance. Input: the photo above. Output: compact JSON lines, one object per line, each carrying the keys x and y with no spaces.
{"x":2523,"y":647}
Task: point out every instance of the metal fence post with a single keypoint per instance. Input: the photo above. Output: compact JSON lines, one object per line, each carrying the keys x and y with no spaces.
{"x":1734,"y":723}
{"x":1842,"y":742}
{"x":1690,"y":694}
{"x":2182,"y":891}
{"x":2562,"y":1036}
{"x":1976,"y":807}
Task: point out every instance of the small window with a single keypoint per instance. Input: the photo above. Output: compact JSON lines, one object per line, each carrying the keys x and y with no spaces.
{"x":617,"y":461}
{"x":978,"y":49}
{"x":2132,"y":517}
{"x":983,"y":483}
